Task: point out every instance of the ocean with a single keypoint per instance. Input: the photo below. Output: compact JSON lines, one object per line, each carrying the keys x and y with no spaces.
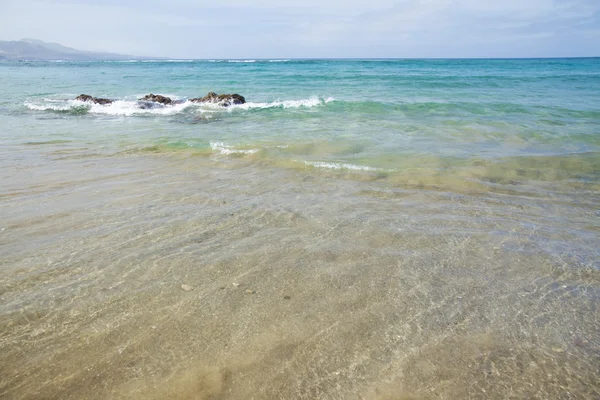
{"x":358,"y":229}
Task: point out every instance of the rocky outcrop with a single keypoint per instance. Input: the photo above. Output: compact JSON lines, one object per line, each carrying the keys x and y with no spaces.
{"x":157,"y":98}
{"x":91,"y":99}
{"x":224,"y":100}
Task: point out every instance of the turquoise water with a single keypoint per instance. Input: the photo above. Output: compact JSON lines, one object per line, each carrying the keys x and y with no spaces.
{"x":376,"y":112}
{"x":410,"y":228}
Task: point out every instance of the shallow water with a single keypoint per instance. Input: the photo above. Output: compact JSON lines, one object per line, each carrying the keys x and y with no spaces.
{"x":342,"y":240}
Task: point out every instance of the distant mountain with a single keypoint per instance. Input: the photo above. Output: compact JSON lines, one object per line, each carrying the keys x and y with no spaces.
{"x":32,"y":49}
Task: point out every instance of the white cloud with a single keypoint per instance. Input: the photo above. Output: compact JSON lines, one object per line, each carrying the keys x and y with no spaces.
{"x":460,"y":24}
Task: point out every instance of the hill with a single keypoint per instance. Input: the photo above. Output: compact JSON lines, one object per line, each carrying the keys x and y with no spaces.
{"x":32,"y":49}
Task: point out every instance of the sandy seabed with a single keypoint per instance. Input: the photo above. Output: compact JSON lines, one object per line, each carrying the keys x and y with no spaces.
{"x":296,"y":285}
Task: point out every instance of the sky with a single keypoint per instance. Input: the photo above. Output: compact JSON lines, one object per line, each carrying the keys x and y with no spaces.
{"x":311,"y":28}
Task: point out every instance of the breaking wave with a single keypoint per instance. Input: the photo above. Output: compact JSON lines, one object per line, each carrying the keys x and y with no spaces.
{"x":222,"y":148}
{"x":303,"y":103}
{"x":232,"y":61}
{"x":247,"y":61}
{"x":134,"y":107}
{"x":343,"y":166}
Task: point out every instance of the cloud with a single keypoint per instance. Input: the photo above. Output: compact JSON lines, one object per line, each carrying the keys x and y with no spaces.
{"x":312,"y":28}
{"x":447,"y":28}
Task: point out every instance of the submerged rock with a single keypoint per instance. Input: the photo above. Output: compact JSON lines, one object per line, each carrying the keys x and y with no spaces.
{"x":91,"y":99}
{"x":157,"y":98}
{"x":224,"y":100}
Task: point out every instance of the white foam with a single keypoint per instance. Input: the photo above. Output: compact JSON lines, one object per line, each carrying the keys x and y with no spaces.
{"x":222,"y":148}
{"x":50,"y":105}
{"x":128,"y":108}
{"x":175,"y":60}
{"x":341,"y":166}
{"x":131,"y":106}
{"x":306,"y":103}
{"x":117,"y":107}
{"x":241,"y":61}
{"x":279,"y":60}
{"x":117,"y":61}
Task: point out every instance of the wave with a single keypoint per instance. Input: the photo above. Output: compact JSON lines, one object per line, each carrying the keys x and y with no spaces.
{"x":173,"y":60}
{"x":342,"y":166}
{"x":230,"y":61}
{"x":247,"y":61}
{"x":224,"y":149}
{"x":302,"y":103}
{"x":119,"y":107}
{"x":128,"y":108}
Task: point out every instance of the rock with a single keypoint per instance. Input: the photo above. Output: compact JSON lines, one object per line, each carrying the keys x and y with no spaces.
{"x":287,"y":297}
{"x":250,"y":291}
{"x":157,"y":98}
{"x":224,"y":100}
{"x":91,"y":99}
{"x":186,"y":288}
{"x":235,"y":284}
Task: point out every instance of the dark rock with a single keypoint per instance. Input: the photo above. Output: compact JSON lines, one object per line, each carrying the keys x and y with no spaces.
{"x":84,"y":97}
{"x":224,"y":100}
{"x":91,"y":99}
{"x":157,"y":98}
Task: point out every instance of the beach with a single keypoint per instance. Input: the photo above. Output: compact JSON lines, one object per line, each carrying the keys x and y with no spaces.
{"x":358,"y":229}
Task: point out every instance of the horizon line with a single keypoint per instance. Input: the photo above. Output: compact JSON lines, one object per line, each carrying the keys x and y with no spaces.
{"x":146,"y":59}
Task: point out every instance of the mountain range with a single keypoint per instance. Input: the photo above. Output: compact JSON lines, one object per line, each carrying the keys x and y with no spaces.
{"x":32,"y":49}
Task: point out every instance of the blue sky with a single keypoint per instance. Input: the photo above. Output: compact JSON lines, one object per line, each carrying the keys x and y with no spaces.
{"x":311,"y":28}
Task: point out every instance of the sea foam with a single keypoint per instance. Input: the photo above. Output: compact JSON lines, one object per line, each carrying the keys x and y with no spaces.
{"x":222,"y":148}
{"x":302,"y":103}
{"x":126,"y":107}
{"x":342,"y":166}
